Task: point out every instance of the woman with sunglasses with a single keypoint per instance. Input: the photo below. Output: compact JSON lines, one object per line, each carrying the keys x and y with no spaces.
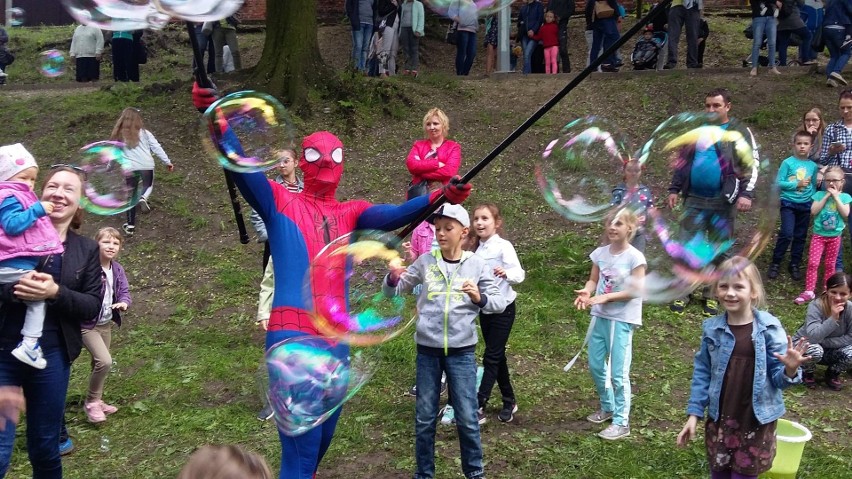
{"x":139,"y":148}
{"x":70,"y":284}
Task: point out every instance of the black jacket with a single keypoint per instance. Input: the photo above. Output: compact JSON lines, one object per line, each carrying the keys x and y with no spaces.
{"x":563,"y":9}
{"x":80,"y":296}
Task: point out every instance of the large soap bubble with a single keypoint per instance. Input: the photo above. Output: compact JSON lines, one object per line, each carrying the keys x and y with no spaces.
{"x":117,"y":14}
{"x":110,"y":187}
{"x":198,"y":10}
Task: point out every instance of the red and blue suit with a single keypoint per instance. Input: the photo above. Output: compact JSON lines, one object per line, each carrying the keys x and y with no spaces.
{"x":299,"y":225}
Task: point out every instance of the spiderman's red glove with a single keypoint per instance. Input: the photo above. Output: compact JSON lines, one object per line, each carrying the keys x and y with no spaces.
{"x":455,"y":191}
{"x":203,"y":97}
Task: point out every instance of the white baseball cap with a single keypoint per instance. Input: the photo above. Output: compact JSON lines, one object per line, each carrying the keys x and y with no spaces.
{"x":456,"y":212}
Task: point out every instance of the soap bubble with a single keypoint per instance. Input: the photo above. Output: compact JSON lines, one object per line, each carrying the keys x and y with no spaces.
{"x":51,"y":63}
{"x":117,"y":14}
{"x":111,"y":187}
{"x":17,"y":16}
{"x":198,"y":10}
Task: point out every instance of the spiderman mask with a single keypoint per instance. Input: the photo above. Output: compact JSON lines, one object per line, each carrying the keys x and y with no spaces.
{"x":321,"y":162}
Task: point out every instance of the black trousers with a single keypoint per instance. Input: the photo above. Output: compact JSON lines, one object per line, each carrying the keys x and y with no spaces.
{"x":124,"y":66}
{"x":147,"y":178}
{"x":563,"y":46}
{"x":681,"y":18}
{"x":495,"y":330}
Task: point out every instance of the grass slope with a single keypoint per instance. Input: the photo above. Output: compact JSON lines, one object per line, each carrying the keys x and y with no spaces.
{"x":188,"y":353}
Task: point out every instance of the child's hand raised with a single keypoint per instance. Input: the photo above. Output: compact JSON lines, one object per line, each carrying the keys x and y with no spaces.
{"x":794,"y":357}
{"x":582,"y":300}
{"x":120,"y":306}
{"x":396,"y":268}
{"x":472,"y":290}
{"x":48,"y":206}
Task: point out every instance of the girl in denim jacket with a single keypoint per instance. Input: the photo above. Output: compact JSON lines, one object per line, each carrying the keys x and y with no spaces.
{"x":743,"y":364}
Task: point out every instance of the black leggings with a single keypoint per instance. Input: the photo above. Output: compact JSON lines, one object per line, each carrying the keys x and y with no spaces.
{"x":495,"y":331}
{"x":147,"y":177}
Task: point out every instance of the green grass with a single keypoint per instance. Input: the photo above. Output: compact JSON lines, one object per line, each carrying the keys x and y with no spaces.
{"x":188,"y":353}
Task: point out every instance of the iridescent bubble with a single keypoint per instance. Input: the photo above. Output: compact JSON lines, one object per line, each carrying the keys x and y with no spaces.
{"x":345,"y":281}
{"x":16,"y":16}
{"x":483,"y":7}
{"x":199,"y":10}
{"x":696,"y":235}
{"x":310,"y":378}
{"x":579,"y":169}
{"x":111,"y":187}
{"x":247,"y":131}
{"x":116,"y":14}
{"x":51,"y":63}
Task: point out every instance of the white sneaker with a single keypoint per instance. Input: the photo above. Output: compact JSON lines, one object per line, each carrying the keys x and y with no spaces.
{"x":128,"y":229}
{"x":144,"y":207}
{"x":448,"y":415}
{"x":614,"y":432}
{"x":32,"y":356}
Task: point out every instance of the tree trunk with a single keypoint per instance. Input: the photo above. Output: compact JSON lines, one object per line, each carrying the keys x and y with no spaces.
{"x":291,"y":60}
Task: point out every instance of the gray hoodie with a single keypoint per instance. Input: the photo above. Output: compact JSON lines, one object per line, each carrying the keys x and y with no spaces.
{"x":447,"y":316}
{"x":826,"y":332}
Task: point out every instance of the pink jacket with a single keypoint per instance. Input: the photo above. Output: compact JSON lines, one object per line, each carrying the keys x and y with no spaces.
{"x":425,"y":167}
{"x":40,"y":239}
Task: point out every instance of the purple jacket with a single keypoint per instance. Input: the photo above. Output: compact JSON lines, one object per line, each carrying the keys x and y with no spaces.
{"x":40,"y":239}
{"x":120,"y":294}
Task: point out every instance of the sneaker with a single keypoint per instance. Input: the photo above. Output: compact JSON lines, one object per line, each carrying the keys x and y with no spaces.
{"x":32,"y":356}
{"x":265,"y":414}
{"x":805,"y":297}
{"x":711,"y":307}
{"x":669,"y":66}
{"x":830,"y":82}
{"x":773,"y":271}
{"x":508,"y":412}
{"x":809,"y":380}
{"x":413,"y":391}
{"x":448,"y":415}
{"x":678,"y":306}
{"x":833,"y":381}
{"x":128,"y":229}
{"x":838,"y":78}
{"x":480,"y":414}
{"x":614,"y":432}
{"x":599,"y":416}
{"x":108,"y":408}
{"x":94,"y":412}
{"x":795,"y":272}
{"x":66,"y":447}
{"x":144,"y":207}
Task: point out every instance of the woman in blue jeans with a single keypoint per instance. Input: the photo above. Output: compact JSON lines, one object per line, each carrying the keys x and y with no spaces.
{"x":604,"y":29}
{"x":362,"y":15}
{"x":464,"y":13}
{"x":764,"y":15}
{"x":837,"y":19}
{"x":71,"y":285}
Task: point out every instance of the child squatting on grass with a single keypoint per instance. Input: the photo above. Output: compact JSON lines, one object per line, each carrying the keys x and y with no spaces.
{"x":457,"y":286}
{"x":618,"y":269}
{"x":744,"y":361}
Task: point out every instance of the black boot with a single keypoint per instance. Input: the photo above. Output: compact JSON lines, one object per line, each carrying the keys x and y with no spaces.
{"x":795,"y":273}
{"x":773,"y":271}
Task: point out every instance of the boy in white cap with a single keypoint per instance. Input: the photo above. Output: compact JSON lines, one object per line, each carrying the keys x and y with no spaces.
{"x":457,"y":285}
{"x":26,"y":235}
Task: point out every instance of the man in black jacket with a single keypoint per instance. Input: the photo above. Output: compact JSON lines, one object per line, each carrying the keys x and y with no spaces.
{"x":563,"y":9}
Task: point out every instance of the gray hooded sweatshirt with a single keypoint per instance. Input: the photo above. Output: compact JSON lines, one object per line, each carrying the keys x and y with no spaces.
{"x":825,"y":331}
{"x":447,"y":316}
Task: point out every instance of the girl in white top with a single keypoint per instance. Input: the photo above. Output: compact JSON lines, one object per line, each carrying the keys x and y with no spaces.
{"x":140,"y":146}
{"x":501,"y":256}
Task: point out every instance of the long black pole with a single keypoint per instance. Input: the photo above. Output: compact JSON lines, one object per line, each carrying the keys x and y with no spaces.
{"x":204,"y":82}
{"x":540,"y":112}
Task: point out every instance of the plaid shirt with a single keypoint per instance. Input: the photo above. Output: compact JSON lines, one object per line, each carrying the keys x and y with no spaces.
{"x":836,"y":132}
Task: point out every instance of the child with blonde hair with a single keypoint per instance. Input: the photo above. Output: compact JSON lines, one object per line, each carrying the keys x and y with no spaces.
{"x":744,"y":362}
{"x":225,"y":462}
{"x":97,"y":339}
{"x":618,"y":270}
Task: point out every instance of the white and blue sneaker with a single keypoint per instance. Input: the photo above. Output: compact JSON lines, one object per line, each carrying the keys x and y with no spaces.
{"x":32,"y":356}
{"x":448,"y":415}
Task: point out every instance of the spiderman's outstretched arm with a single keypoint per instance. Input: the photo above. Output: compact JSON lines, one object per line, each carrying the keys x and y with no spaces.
{"x":391,"y":217}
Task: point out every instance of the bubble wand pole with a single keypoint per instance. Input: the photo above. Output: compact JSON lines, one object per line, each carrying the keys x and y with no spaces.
{"x":539,"y":113}
{"x":205,"y":82}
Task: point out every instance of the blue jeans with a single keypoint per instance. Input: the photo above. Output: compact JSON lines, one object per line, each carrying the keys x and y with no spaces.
{"x":795,"y":219}
{"x":361,"y":45}
{"x":837,"y":58}
{"x":604,"y":32}
{"x":301,"y":455}
{"x":461,"y":379}
{"x":763,"y":26}
{"x":465,"y":51}
{"x":805,"y":53}
{"x":45,"y":391}
{"x":528,"y":44}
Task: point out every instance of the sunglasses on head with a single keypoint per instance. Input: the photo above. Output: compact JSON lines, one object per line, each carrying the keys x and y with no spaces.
{"x":72,"y":167}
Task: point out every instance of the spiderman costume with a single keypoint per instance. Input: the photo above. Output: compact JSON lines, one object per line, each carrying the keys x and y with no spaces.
{"x":299,"y":225}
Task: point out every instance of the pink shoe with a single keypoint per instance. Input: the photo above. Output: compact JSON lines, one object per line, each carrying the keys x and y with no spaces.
{"x":805,"y":297}
{"x":94,"y":412}
{"x":108,"y":408}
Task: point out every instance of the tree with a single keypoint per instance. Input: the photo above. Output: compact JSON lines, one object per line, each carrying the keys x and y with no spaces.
{"x":291,"y":60}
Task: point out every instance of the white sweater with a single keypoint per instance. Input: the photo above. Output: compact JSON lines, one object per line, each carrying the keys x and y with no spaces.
{"x":87,"y":42}
{"x":140,"y":157}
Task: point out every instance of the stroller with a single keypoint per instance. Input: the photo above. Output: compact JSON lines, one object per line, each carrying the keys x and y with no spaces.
{"x":646,"y":54}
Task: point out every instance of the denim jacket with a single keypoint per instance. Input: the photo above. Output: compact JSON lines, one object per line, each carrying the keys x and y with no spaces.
{"x":711,"y":362}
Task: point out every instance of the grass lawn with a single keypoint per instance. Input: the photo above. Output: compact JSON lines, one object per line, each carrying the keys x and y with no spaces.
{"x":188,"y":355}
